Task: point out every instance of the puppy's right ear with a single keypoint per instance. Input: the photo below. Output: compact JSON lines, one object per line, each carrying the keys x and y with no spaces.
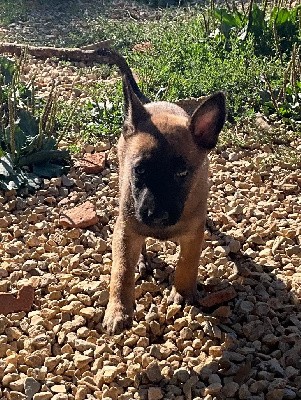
{"x":135,"y":112}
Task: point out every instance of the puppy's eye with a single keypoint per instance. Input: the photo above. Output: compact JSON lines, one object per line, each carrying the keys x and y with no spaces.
{"x":182,"y":173}
{"x":139,"y":170}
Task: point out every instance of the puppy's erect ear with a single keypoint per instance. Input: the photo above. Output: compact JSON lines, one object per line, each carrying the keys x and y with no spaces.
{"x":135,"y":112}
{"x":208,"y":120}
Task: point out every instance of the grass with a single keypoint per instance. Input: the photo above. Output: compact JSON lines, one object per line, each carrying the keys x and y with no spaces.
{"x":188,"y":56}
{"x":11,"y":11}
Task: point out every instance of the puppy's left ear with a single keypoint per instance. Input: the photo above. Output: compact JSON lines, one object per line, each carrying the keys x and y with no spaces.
{"x":208,"y":120}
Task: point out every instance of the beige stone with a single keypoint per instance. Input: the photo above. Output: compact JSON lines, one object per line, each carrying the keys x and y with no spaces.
{"x":58,"y":389}
{"x":81,"y":360}
{"x":43,"y":396}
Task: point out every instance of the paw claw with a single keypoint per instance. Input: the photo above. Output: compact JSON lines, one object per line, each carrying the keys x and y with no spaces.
{"x":116,"y":320}
{"x":178,"y":298}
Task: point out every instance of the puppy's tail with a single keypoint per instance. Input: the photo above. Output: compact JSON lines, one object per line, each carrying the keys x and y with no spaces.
{"x":112,"y":57}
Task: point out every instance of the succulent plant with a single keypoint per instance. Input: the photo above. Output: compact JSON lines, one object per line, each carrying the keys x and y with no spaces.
{"x":28,"y":140}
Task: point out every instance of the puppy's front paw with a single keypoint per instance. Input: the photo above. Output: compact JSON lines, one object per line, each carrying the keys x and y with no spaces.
{"x":116,"y":319}
{"x":187,"y":297}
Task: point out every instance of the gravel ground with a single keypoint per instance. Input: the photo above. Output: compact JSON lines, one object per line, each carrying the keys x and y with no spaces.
{"x":247,"y":348}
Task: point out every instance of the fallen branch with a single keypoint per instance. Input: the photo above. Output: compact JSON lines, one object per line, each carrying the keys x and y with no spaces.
{"x":88,"y":53}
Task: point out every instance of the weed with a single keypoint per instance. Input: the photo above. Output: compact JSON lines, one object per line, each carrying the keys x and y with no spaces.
{"x":184,"y":63}
{"x":284,"y":98}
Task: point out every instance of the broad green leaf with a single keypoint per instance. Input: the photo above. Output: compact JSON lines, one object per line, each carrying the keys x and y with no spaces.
{"x":296,"y":14}
{"x":33,"y":181}
{"x":233,"y":20}
{"x":44,"y":156}
{"x":243,"y":33}
{"x":5,"y":185}
{"x":20,"y":138}
{"x":282,"y":17}
{"x":6,"y":166}
{"x":49,"y":143}
{"x":12,"y":182}
{"x":258,"y":20}
{"x":28,"y":123}
{"x":228,"y":21}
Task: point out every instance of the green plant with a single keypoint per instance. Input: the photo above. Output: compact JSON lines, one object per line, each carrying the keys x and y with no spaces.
{"x":180,"y":61}
{"x":28,"y":141}
{"x":284,"y":96}
{"x":183,"y":63}
{"x":277,"y":29}
{"x":99,"y":116}
{"x":191,"y":51}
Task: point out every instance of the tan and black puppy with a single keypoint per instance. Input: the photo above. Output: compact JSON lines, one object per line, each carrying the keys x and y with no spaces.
{"x":163,"y":192}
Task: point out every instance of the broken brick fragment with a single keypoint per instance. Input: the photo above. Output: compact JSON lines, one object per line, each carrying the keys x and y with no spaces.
{"x":92,"y":163}
{"x":218,"y":297}
{"x":23,"y":302}
{"x":81,"y":216}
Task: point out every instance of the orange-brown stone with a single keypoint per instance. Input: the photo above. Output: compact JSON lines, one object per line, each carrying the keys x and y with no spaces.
{"x":81,"y":216}
{"x":93,"y":163}
{"x":218,"y":297}
{"x":23,"y":302}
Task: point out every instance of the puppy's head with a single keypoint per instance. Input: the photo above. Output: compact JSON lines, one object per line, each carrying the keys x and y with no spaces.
{"x":163,"y":150}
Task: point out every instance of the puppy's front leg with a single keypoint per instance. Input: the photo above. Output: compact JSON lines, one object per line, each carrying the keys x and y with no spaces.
{"x":126,"y":249}
{"x":185,"y":281}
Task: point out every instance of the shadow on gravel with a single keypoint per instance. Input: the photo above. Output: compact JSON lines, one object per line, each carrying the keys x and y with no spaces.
{"x":263,"y":357}
{"x":255,"y":349}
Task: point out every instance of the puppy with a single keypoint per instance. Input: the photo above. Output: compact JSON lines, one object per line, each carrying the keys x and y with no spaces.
{"x":163,"y":182}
